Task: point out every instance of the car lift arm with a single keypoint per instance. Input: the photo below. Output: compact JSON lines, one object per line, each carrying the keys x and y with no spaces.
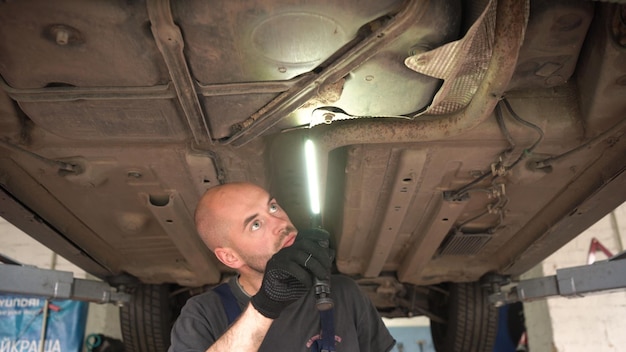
{"x":568,"y":282}
{"x":55,"y":284}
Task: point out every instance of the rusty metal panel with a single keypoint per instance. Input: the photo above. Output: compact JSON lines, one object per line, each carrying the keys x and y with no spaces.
{"x":444,"y":216}
{"x":78,"y":43}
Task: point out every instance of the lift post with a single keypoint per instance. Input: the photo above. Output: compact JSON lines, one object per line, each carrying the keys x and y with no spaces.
{"x":568,"y":282}
{"x":55,"y":284}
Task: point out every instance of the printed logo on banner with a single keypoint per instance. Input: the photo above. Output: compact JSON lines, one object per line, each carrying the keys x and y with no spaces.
{"x":21,"y":322}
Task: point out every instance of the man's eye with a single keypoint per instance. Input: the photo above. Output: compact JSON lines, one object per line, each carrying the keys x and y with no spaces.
{"x":255,"y":225}
{"x":274,"y":207}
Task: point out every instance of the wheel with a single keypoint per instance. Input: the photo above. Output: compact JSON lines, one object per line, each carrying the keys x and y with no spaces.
{"x":470,"y":321}
{"x":147,"y":320}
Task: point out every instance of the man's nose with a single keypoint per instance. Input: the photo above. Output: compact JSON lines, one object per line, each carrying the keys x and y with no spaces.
{"x":279,"y":224}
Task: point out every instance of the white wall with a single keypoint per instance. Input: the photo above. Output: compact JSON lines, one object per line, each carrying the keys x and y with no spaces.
{"x":22,"y":248}
{"x":595,"y":322}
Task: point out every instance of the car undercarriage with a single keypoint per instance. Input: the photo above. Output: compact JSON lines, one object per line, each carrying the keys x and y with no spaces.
{"x":457,"y":141}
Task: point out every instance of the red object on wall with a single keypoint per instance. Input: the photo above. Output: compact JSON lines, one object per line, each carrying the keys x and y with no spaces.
{"x":593,"y":248}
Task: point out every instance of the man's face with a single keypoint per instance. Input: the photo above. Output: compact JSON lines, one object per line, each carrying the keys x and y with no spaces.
{"x":258,"y":226}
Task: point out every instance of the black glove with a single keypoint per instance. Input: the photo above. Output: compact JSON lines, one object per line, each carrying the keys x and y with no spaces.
{"x":289,"y":274}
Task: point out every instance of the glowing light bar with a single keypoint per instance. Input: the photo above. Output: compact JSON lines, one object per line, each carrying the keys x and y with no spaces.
{"x":311,"y":169}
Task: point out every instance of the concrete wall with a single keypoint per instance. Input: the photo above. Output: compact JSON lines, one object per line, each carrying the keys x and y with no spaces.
{"x":595,"y":322}
{"x":20,"y":247}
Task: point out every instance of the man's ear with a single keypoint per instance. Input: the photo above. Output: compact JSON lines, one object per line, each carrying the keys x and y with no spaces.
{"x":229,"y":257}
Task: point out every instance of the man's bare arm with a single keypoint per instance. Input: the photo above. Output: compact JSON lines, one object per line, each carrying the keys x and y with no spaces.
{"x":246,"y":334}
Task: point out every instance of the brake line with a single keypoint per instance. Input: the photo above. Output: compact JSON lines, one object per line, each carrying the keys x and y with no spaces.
{"x":592,"y":142}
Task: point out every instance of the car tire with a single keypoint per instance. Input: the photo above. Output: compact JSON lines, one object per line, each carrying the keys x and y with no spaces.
{"x":147,"y":320}
{"x":471,"y":322}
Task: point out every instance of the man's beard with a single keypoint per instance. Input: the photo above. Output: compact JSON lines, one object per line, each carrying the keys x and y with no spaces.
{"x":257,"y":262}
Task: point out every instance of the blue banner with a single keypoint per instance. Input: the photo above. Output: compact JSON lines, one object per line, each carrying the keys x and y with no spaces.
{"x":21,"y":323}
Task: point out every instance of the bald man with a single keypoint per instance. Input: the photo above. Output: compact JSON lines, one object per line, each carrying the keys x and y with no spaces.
{"x":249,"y":232}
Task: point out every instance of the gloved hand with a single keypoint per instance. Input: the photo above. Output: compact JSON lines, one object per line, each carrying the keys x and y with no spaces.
{"x":289,"y":274}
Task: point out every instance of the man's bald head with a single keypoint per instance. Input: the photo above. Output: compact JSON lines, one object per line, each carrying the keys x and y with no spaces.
{"x":214,"y":210}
